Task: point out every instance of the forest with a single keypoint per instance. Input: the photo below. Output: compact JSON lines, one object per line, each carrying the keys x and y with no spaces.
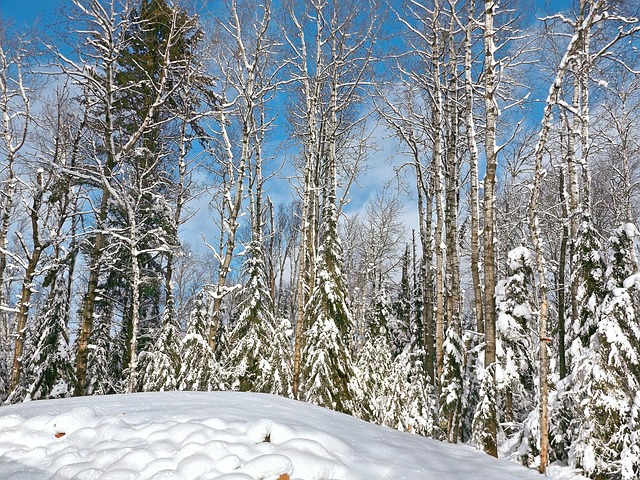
{"x":184,"y":206}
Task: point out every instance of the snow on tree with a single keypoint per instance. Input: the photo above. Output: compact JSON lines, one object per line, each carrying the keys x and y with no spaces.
{"x":515,"y":369}
{"x":630,"y":454}
{"x":327,"y":366}
{"x":400,"y":323}
{"x":474,"y":366}
{"x":373,"y":370}
{"x":100,"y":348}
{"x":452,"y":386}
{"x":253,"y":332}
{"x":373,"y":366}
{"x":200,"y":369}
{"x":160,"y":366}
{"x":486,"y":411}
{"x":409,"y":402}
{"x":607,"y":377}
{"x":277,"y":370}
{"x":591,"y":283}
{"x":51,"y":371}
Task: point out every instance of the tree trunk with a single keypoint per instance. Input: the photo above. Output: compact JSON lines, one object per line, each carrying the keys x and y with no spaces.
{"x":21,"y":317}
{"x":491,"y":107}
{"x":473,"y":177}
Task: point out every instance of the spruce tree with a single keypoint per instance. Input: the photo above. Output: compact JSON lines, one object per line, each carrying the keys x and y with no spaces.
{"x":101,"y":351}
{"x":200,"y":370}
{"x":327,"y":367}
{"x":160,"y":366}
{"x":515,"y":370}
{"x":373,"y":367}
{"x":452,"y":386}
{"x":252,"y":334}
{"x":607,"y":377}
{"x":51,"y":369}
{"x":400,"y":323}
{"x":486,"y":411}
{"x":409,"y":402}
{"x":591,"y":284}
{"x":278,"y":375}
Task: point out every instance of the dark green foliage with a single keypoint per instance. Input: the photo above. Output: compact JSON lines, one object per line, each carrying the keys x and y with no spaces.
{"x":486,"y":412}
{"x":160,"y":366}
{"x":199,"y":370}
{"x":253,"y":332}
{"x":591,"y":281}
{"x":516,"y":367}
{"x":327,"y":370}
{"x":51,"y":373}
{"x":452,"y":385}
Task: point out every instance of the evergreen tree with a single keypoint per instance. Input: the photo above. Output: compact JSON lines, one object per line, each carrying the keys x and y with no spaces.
{"x":200,"y":370}
{"x":409,"y":404}
{"x":564,"y":408}
{"x":278,"y":376}
{"x":327,"y":367}
{"x":630,"y":439}
{"x":51,"y":370}
{"x":591,"y":284}
{"x":160,"y":366}
{"x":471,"y":383}
{"x":452,"y":393}
{"x":100,"y":350}
{"x":486,"y":411}
{"x":373,"y":367}
{"x":253,"y":332}
{"x":399,"y":324}
{"x":607,"y":377}
{"x":515,"y":370}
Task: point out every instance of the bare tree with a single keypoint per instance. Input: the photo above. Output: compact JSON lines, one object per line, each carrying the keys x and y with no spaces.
{"x":247,"y":77}
{"x":15,"y":108}
{"x":330,"y":45}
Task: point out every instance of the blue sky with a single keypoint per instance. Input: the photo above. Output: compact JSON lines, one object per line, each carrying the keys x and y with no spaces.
{"x":28,"y":13}
{"x":41,"y":14}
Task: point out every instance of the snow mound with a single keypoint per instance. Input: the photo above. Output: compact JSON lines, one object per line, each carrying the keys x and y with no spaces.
{"x":220,"y":435}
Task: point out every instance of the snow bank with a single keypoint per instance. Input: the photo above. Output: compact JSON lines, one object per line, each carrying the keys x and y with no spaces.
{"x":221,"y":435}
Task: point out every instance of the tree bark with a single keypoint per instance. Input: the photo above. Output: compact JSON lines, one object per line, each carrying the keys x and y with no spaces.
{"x":491,"y":116}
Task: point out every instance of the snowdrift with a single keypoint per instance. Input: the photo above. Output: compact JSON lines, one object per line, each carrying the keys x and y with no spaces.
{"x":221,"y":435}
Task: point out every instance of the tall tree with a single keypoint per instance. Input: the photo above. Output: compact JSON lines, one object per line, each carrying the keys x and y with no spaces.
{"x":331,"y":48}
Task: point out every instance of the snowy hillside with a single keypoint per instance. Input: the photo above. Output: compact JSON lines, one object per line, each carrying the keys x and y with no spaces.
{"x":222,"y":435}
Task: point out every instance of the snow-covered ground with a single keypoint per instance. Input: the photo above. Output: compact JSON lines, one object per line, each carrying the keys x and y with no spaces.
{"x":222,"y":435}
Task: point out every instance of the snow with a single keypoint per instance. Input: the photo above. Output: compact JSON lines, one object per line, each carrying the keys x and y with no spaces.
{"x":222,"y":435}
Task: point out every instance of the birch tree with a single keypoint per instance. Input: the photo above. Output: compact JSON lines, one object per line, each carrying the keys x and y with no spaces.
{"x":108,"y":29}
{"x":15,"y":108}
{"x":247,"y":79}
{"x":330,"y":44}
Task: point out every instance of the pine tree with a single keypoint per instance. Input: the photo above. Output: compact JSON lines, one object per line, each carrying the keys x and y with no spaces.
{"x":200,"y":370}
{"x":515,"y":370}
{"x":160,"y":366}
{"x":253,"y":332}
{"x":607,"y":377}
{"x":51,"y":370}
{"x":327,"y":367}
